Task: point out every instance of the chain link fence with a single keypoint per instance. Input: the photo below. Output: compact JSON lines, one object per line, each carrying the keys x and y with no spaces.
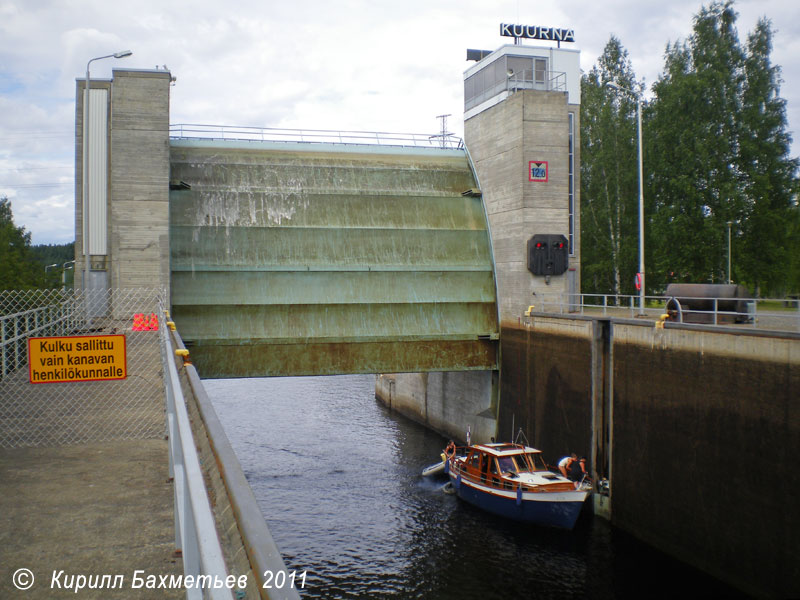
{"x":79,"y":412}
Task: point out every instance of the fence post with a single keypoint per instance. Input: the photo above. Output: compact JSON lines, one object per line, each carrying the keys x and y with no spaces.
{"x":2,"y":348}
{"x":16,"y":343}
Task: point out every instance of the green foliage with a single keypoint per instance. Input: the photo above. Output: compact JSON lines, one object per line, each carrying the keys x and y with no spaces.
{"x":768,"y":173}
{"x":48,"y":255}
{"x":18,"y":269}
{"x":716,"y":153}
{"x":609,"y":187}
{"x":693,"y":137}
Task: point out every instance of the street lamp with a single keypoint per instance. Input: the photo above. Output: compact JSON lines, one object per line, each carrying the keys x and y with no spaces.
{"x":85,"y":186}
{"x":638,"y":99}
{"x":64,"y":270}
{"x":45,"y":271}
{"x":729,"y":250}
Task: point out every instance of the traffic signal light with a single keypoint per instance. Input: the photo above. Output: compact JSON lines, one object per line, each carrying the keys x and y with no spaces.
{"x":548,"y":254}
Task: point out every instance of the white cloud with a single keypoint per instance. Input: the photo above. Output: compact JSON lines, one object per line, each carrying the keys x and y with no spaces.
{"x":353,"y":64}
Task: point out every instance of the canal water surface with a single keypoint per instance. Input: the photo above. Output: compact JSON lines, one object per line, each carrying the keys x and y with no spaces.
{"x":337,"y":477}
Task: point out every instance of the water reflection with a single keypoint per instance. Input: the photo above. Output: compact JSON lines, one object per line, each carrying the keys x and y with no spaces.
{"x":337,"y":477}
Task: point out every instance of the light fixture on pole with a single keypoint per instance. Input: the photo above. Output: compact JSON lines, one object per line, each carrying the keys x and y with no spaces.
{"x":64,"y":270}
{"x":85,"y":176}
{"x":641,"y":279}
{"x":48,"y":267}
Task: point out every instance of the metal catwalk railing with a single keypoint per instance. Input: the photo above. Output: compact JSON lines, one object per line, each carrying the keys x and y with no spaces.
{"x":271,"y":134}
{"x":778,"y":314}
{"x":195,"y":530}
{"x":273,"y":580}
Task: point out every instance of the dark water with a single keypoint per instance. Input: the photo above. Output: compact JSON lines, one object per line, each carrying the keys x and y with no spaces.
{"x":337,"y":477}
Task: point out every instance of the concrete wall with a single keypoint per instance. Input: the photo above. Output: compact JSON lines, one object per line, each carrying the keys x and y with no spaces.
{"x":139,"y":201}
{"x":447,"y":402}
{"x":695,"y":427}
{"x":137,"y":230}
{"x":502,"y":140}
{"x":546,"y":386}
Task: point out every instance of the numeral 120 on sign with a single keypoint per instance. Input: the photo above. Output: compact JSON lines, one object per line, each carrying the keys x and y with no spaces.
{"x":537,"y":170}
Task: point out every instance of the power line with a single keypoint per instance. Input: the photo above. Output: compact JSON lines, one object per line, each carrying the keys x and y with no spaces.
{"x":34,"y":185}
{"x":37,"y":168}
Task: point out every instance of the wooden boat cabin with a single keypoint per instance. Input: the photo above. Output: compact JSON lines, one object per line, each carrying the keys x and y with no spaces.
{"x":500,"y":466}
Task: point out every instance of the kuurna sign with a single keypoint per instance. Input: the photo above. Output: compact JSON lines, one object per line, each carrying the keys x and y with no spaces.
{"x":536,"y":32}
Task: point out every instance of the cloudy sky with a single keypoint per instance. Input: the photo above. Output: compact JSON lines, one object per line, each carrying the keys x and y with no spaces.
{"x":366,"y":65}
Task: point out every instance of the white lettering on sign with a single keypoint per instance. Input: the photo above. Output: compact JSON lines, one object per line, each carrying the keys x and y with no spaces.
{"x":536,"y":32}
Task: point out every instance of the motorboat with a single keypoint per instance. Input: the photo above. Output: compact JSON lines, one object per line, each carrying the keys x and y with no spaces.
{"x":435,"y":468}
{"x":513,"y":481}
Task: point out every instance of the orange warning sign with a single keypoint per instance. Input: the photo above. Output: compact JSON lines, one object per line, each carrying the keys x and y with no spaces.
{"x":77,"y":358}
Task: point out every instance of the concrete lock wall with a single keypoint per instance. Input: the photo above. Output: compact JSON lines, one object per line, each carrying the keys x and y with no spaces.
{"x":447,"y":402}
{"x":546,"y":386}
{"x":695,"y":427}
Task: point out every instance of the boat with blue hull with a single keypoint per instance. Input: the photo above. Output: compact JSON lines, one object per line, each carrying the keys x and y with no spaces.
{"x":513,"y":481}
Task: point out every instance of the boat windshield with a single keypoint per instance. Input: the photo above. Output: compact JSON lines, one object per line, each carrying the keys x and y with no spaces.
{"x":537,"y":461}
{"x":506,"y":464}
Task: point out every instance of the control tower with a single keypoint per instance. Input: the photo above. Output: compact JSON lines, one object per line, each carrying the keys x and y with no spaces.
{"x":521,"y":126}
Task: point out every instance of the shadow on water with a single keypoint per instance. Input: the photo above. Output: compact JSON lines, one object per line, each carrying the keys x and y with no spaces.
{"x":338,"y":478}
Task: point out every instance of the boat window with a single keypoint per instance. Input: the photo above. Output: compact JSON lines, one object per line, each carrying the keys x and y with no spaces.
{"x":493,"y":466}
{"x":475,"y":460}
{"x":506,"y":464}
{"x":522,"y":463}
{"x":537,"y":461}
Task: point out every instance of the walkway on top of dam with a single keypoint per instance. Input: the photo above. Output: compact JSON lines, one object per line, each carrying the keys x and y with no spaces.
{"x":116,"y":484}
{"x":292,"y":258}
{"x":85,"y":486}
{"x":93,"y":509}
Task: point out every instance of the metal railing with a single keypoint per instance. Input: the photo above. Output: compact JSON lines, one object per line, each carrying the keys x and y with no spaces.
{"x":55,"y":315}
{"x":264,"y":557}
{"x":195,"y":530}
{"x":270,"y":134}
{"x":547,"y":81}
{"x":719,"y":311}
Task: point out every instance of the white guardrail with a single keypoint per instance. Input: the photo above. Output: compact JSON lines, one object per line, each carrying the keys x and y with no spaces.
{"x":714,"y":311}
{"x":329,"y":136}
{"x":195,"y":530}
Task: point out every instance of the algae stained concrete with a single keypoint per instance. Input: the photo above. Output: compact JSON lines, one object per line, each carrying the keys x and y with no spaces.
{"x":96,"y":509}
{"x":316,"y":259}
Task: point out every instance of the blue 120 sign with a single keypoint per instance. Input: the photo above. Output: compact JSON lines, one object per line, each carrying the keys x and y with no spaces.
{"x":537,"y":170}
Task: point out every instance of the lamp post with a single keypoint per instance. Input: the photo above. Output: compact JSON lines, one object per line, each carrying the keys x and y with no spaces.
{"x":729,"y":250}
{"x":85,"y":176}
{"x":64,"y":270}
{"x":638,"y":99}
{"x":45,"y":271}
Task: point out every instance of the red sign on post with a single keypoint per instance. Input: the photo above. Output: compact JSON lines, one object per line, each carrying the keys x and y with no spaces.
{"x":537,"y":170}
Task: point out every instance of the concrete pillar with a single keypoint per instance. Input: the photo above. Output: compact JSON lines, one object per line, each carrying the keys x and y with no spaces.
{"x":135,"y":240}
{"x":529,"y":125}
